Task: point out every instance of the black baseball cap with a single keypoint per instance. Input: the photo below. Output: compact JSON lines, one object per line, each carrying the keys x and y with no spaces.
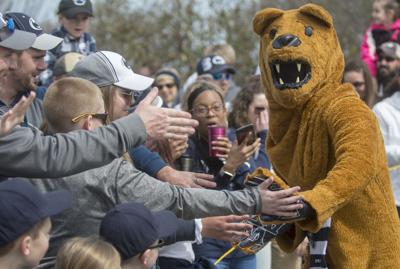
{"x":12,"y":38}
{"x":213,"y":64}
{"x":70,"y":8}
{"x":22,"y":206}
{"x":132,"y":228}
{"x":25,"y":23}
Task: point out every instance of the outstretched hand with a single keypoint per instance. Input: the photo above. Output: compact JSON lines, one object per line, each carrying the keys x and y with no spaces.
{"x":164,"y":123}
{"x":279,"y":203}
{"x":226,"y":227}
{"x":16,"y":115}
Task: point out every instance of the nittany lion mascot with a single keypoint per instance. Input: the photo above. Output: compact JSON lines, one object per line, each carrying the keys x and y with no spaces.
{"x":324,"y":139}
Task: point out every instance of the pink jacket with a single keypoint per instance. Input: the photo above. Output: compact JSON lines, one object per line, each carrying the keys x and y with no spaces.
{"x":368,"y":47}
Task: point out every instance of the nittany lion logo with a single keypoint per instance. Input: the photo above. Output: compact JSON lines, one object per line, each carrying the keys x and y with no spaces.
{"x":34,"y":25}
{"x":79,"y":2}
{"x":124,"y":62}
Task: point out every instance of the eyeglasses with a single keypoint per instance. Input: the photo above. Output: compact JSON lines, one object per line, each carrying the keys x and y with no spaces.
{"x":222,"y":75}
{"x":159,"y":244}
{"x":101,"y":116}
{"x":204,"y":110}
{"x":168,"y":85}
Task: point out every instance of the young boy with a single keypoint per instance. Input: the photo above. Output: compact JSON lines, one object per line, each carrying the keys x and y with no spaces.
{"x":137,"y":233}
{"x":25,"y":222}
{"x":74,"y":17}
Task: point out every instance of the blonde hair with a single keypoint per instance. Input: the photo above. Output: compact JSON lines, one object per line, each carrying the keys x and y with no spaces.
{"x":88,"y":253}
{"x":67,"y":98}
{"x":224,"y":50}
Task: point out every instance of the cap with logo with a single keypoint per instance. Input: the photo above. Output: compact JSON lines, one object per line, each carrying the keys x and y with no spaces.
{"x":70,"y":8}
{"x":12,"y":38}
{"x":391,"y":49}
{"x":132,"y":228}
{"x":22,"y":206}
{"x":213,"y":64}
{"x":105,"y":68}
{"x":25,"y":23}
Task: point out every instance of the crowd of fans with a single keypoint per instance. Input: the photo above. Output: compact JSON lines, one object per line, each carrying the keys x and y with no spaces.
{"x":122,"y":162}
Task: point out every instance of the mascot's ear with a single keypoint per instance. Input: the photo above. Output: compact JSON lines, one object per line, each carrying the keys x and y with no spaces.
{"x":264,"y":18}
{"x":318,"y":13}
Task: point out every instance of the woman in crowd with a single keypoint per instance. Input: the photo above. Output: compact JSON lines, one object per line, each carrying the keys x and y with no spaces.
{"x":167,"y":81}
{"x":206,"y":104}
{"x":358,"y":74}
{"x":251,"y":106}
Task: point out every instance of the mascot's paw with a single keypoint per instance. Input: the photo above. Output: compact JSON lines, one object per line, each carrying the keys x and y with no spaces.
{"x":256,"y":178}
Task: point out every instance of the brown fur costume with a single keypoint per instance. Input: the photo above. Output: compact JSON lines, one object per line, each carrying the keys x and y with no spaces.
{"x":324,"y":139}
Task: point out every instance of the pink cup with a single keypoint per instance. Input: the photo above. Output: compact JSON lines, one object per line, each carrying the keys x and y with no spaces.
{"x":214,"y":132}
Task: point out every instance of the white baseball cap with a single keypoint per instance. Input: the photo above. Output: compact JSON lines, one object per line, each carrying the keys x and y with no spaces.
{"x":105,"y":68}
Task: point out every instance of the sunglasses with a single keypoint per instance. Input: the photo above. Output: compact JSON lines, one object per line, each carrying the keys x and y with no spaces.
{"x":168,"y":85}
{"x":159,"y":244}
{"x":7,"y":27}
{"x":388,"y":59}
{"x":222,"y":75}
{"x":101,"y":116}
{"x":358,"y":84}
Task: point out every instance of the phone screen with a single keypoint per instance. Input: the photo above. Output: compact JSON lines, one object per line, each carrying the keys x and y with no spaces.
{"x":243,"y":132}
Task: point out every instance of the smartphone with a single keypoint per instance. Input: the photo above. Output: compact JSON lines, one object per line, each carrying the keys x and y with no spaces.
{"x":243,"y":132}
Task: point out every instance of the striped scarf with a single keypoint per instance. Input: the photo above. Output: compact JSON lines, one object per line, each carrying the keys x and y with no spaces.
{"x":318,"y":246}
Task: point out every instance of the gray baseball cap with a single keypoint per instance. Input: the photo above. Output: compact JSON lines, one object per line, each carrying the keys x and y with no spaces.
{"x":105,"y":68}
{"x":12,"y":38}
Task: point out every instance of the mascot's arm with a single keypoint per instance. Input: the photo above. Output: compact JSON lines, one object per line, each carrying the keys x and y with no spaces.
{"x":355,"y":139}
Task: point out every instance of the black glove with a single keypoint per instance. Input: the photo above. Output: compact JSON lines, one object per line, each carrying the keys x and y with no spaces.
{"x":261,"y":174}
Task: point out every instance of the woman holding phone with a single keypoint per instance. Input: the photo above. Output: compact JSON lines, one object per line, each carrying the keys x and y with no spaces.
{"x":206,"y":104}
{"x":250,"y":106}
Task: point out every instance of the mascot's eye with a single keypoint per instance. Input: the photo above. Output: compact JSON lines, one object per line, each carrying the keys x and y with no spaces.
{"x":308,"y":31}
{"x":272,"y":34}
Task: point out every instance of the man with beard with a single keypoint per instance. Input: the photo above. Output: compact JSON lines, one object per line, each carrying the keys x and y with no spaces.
{"x":388,"y":67}
{"x":23,"y":79}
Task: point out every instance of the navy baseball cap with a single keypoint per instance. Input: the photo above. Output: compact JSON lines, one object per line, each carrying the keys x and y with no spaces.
{"x":70,"y":8}
{"x":22,"y":206}
{"x":12,"y":38}
{"x":213,"y":64}
{"x":132,"y":228}
{"x":25,"y":23}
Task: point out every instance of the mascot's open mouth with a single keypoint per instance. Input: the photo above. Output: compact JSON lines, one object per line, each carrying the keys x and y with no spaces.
{"x":290,"y":75}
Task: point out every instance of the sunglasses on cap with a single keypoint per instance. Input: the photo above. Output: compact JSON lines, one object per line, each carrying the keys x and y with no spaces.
{"x":7,"y":27}
{"x":222,"y":75}
{"x":168,"y":85}
{"x":101,"y":116}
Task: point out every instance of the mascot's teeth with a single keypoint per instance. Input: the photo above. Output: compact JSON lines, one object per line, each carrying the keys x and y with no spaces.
{"x":297,"y":80}
{"x":299,"y":67}
{"x":281,"y":81}
{"x":278,"y":68}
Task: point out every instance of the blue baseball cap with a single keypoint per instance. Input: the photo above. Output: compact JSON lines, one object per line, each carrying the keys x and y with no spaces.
{"x":12,"y":38}
{"x":213,"y":64}
{"x":22,"y":206}
{"x":132,"y":228}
